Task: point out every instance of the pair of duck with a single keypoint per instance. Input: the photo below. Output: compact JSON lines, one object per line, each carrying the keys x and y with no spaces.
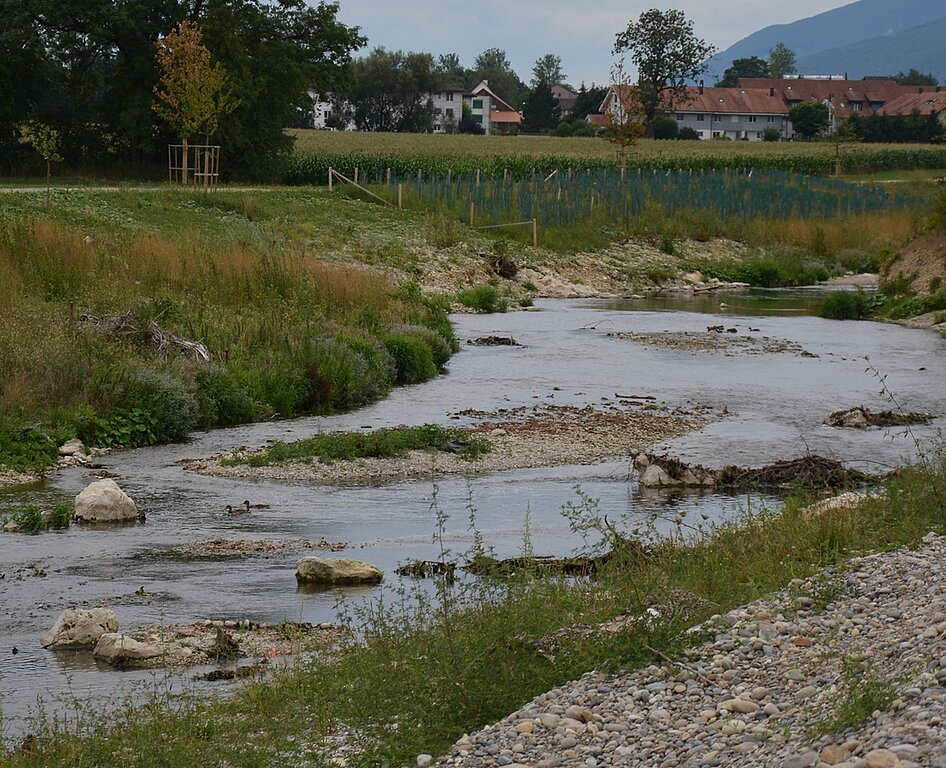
{"x":244,"y":508}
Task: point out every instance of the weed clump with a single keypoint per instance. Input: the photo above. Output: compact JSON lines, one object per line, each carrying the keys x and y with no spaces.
{"x":483,"y":298}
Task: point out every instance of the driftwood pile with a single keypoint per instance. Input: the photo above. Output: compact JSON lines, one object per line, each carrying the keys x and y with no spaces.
{"x":494,"y":341}
{"x":862,"y":418}
{"x":809,"y":472}
{"x":127,"y":326}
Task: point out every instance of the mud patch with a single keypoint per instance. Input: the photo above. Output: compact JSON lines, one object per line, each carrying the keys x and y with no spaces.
{"x":715,"y":339}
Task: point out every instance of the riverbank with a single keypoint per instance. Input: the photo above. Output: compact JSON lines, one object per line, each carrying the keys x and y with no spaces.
{"x":545,"y":436}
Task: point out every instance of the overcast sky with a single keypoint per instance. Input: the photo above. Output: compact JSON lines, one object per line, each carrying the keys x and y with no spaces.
{"x":581,"y":32}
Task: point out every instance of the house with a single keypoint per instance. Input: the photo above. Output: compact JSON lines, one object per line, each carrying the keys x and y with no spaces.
{"x":715,"y":113}
{"x":448,"y":107}
{"x":492,"y":112}
{"x":322,"y":110}
{"x":922,"y":100}
{"x":566,"y":99}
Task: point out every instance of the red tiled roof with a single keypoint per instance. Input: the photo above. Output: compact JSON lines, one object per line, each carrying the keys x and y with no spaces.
{"x":505,"y":117}
{"x":746,"y":101}
{"x":929,"y":102}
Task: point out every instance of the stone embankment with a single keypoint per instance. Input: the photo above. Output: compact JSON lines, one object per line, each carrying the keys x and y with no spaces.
{"x":847,"y":669}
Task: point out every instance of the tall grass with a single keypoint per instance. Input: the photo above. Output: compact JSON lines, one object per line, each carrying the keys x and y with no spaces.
{"x":288,"y":332}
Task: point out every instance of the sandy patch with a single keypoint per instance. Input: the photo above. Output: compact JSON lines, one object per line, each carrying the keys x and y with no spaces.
{"x":730,"y":344}
{"x":550,"y":436}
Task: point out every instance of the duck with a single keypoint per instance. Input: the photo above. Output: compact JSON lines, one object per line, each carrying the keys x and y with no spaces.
{"x":247,"y":504}
{"x":241,"y":510}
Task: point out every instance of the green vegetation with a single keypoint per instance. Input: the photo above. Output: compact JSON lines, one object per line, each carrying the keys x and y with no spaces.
{"x":483,"y":298}
{"x":846,"y":305}
{"x":864,"y":692}
{"x":479,"y":649}
{"x":100,"y":286}
{"x":30,"y":519}
{"x":380,"y":444}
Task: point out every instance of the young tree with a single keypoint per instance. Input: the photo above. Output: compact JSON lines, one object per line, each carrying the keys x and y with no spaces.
{"x":782,"y":61}
{"x":625,"y":126}
{"x":548,"y":70}
{"x":809,"y":118}
{"x":750,"y":67}
{"x":192,"y":94}
{"x":667,"y":54}
{"x":45,"y":140}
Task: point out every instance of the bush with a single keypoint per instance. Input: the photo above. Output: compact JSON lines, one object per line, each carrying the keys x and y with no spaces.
{"x":439,"y":346}
{"x":165,"y":397}
{"x":413,"y":359}
{"x":483,"y":298}
{"x":222,"y":401}
{"x":846,"y":305}
{"x":771,"y":134}
{"x":61,"y":515}
{"x":29,"y":519}
{"x":687,"y":133}
{"x":346,"y":372}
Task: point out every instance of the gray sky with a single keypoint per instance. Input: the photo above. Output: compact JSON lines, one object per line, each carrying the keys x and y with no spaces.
{"x":581,"y":32}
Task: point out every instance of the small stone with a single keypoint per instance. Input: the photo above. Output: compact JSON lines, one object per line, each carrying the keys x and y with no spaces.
{"x":802,"y":642}
{"x":805,"y":760}
{"x":424,"y":761}
{"x":743,"y":706}
{"x":807,"y":692}
{"x":834,"y":754}
{"x":549,"y":720}
{"x":881,"y":758}
{"x":526,"y":726}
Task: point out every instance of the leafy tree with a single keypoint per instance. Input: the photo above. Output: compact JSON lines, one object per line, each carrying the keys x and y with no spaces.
{"x":493,"y":65}
{"x":913,"y":128}
{"x":548,"y":70}
{"x":193,"y":94}
{"x":45,"y":141}
{"x":809,"y":118}
{"x":667,"y":54}
{"x":22,"y":71}
{"x":540,"y":111}
{"x":915,"y":77}
{"x":390,"y":91}
{"x":771,"y":133}
{"x":782,"y":61}
{"x":750,"y":67}
{"x":452,"y":71}
{"x":625,"y":127}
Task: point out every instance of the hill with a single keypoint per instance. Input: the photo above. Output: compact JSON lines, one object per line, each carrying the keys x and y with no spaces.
{"x":863,"y":26}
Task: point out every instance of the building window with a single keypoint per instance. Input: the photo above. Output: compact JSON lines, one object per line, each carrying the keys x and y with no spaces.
{"x":679,"y":115}
{"x":449,"y":113}
{"x":770,"y":119}
{"x":699,"y":118}
{"x":856,"y":106}
{"x":449,"y":96}
{"x":753,"y":119}
{"x":478,"y":118}
{"x":477,"y":103}
{"x":715,"y":134}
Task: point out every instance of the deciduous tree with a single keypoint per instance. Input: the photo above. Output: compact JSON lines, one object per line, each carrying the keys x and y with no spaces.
{"x":752,"y":66}
{"x":493,"y":65}
{"x":809,"y":118}
{"x":548,"y":70}
{"x":782,"y":61}
{"x":667,"y":54}
{"x":193,"y":93}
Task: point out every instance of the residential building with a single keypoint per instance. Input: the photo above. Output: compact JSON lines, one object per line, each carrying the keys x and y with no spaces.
{"x":566,"y":98}
{"x":322,"y":110}
{"x":491,"y":112}
{"x":448,"y":107}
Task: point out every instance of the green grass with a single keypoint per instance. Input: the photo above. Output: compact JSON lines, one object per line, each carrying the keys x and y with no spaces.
{"x":379,"y":444}
{"x":483,"y":298}
{"x":442,"y":665}
{"x":863,"y":692}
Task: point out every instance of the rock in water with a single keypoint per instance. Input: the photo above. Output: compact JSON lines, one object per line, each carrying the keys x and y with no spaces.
{"x":117,"y":648}
{"x":337,"y":570}
{"x":72,"y":447}
{"x":104,"y":502}
{"x":77,"y":629}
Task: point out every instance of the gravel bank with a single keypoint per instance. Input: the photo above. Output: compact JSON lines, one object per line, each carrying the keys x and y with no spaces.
{"x":545,"y":437}
{"x":768,"y":690}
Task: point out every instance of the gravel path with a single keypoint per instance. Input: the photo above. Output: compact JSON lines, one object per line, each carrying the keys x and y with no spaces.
{"x":768,"y":690}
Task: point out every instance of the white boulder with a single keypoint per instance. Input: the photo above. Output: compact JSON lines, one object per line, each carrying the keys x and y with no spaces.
{"x":72,"y":447}
{"x":104,"y":502}
{"x":337,"y":570}
{"x":76,"y":628}
{"x":117,"y":648}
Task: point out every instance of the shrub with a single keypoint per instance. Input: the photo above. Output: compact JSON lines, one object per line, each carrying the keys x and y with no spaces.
{"x":439,"y":346}
{"x":165,"y":397}
{"x":846,"y":305}
{"x":771,"y":134}
{"x":61,"y":515}
{"x":29,"y":519}
{"x":27,"y":446}
{"x":443,"y":232}
{"x":483,"y":298}
{"x":221,"y":399}
{"x":413,"y":359}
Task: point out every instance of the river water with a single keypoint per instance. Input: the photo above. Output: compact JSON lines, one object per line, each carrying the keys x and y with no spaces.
{"x":773,"y":404}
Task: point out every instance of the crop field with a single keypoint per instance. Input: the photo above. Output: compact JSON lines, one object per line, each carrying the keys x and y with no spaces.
{"x":519,"y":156}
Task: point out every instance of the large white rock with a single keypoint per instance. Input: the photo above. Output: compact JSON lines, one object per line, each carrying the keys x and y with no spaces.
{"x":77,"y":628}
{"x":72,"y":447}
{"x":117,"y":648}
{"x":104,"y":502}
{"x":337,"y":570}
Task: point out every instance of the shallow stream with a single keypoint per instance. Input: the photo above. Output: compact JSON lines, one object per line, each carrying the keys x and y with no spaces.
{"x":766,"y":405}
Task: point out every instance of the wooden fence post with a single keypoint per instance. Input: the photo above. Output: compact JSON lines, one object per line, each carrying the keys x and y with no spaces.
{"x":330,"y":172}
{"x":478,"y":177}
{"x":356,"y":174}
{"x":389,"y":176}
{"x":400,"y":196}
{"x":472,"y":210}
{"x":535,"y":233}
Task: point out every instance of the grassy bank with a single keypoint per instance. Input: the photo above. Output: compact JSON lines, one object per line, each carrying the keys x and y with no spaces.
{"x":436,"y":667}
{"x":104,"y":293}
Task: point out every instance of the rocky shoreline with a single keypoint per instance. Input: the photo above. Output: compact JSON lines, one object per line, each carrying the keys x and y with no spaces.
{"x":543,"y":437}
{"x":845,"y":668}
